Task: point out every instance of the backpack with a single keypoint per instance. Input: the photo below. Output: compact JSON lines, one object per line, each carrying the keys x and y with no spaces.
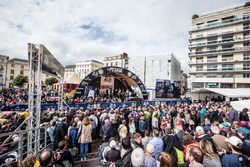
{"x":244,"y":160}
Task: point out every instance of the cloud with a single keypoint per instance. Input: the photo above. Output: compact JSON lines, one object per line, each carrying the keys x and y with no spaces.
{"x":80,"y":30}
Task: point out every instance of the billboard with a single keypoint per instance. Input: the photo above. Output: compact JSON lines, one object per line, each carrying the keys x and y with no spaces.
{"x":167,"y":89}
{"x":50,"y":64}
{"x":107,"y":82}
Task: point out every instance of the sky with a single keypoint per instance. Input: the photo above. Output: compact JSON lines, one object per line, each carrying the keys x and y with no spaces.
{"x":79,"y":30}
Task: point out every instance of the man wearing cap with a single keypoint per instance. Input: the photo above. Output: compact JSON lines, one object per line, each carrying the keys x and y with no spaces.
{"x":244,"y":136}
{"x":236,"y":158}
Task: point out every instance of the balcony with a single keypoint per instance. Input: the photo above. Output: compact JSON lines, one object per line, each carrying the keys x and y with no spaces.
{"x":223,"y":41}
{"x":238,"y":30}
{"x":238,"y":49}
{"x":221,"y":23}
{"x":224,"y":69}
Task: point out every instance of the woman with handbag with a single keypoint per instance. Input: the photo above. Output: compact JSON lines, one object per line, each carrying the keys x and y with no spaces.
{"x":85,"y":137}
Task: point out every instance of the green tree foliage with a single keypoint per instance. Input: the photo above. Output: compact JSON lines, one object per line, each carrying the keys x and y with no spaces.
{"x":20,"y":81}
{"x":51,"y":80}
{"x":195,"y":16}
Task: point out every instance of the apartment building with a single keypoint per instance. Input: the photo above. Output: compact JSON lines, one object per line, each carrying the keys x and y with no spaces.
{"x":84,"y":68}
{"x":16,"y":67}
{"x":119,"y":60}
{"x":69,"y":71}
{"x":3,"y":69}
{"x":220,"y":49}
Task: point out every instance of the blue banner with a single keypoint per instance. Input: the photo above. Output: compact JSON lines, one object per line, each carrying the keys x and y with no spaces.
{"x":22,"y":107}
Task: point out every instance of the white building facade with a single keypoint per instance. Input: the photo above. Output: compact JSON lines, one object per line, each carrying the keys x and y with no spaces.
{"x":220,"y":49}
{"x":119,"y":60}
{"x":69,"y":71}
{"x":84,"y":68}
{"x":151,"y":68}
{"x":3,"y":70}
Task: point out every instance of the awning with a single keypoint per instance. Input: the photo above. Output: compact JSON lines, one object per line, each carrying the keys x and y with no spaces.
{"x":231,"y":93}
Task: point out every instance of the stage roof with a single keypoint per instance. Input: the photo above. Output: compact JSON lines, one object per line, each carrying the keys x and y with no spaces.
{"x":228,"y":92}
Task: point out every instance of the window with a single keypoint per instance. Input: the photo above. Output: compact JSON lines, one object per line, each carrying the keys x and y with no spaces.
{"x":12,"y":71}
{"x":22,"y":66}
{"x":227,"y":67}
{"x":199,"y":59}
{"x":211,"y":59}
{"x":212,"y":49}
{"x":111,"y":64}
{"x":198,"y":85}
{"x":246,"y":16}
{"x":107,"y":64}
{"x":246,"y":75}
{"x":199,"y":75}
{"x":12,"y":65}
{"x":227,"y":38}
{"x":245,"y":44}
{"x":227,"y":57}
{"x":246,"y":56}
{"x":211,"y":76}
{"x":199,"y":68}
{"x":21,"y":72}
{"x":228,"y":19}
{"x":11,"y":77}
{"x":116,"y":63}
{"x":198,"y":24}
{"x":227,"y":76}
{"x":246,"y":66}
{"x":212,"y":40}
{"x":227,"y":47}
{"x":198,"y":50}
{"x":199,"y":35}
{"x":246,"y":35}
{"x":246,"y":26}
{"x":212,"y":67}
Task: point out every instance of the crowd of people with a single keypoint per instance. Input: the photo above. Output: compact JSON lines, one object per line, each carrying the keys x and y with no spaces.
{"x":210,"y":134}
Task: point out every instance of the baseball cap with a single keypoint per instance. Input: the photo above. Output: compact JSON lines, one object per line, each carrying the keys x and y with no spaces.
{"x":244,"y":131}
{"x":235,"y":141}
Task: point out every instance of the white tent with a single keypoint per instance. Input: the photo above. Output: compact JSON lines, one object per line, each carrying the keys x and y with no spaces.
{"x":230,"y":93}
{"x":240,"y":105}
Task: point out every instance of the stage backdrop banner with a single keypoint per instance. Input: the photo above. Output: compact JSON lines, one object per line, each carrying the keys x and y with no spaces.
{"x":167,"y":88}
{"x":107,"y":82}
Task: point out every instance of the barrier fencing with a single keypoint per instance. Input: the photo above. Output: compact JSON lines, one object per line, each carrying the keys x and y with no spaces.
{"x":15,"y":149}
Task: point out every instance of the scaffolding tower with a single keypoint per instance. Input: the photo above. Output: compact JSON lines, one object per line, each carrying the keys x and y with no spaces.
{"x":35,"y":92}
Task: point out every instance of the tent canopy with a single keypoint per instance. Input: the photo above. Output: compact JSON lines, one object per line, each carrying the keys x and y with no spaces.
{"x":74,"y":79}
{"x":240,"y":105}
{"x":231,"y":93}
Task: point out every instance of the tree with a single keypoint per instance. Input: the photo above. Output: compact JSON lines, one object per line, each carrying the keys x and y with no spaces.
{"x":195,"y":16}
{"x":20,"y":80}
{"x":51,"y":80}
{"x":247,"y":4}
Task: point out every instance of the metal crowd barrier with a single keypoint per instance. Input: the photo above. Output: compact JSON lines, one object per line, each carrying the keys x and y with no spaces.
{"x":15,"y":149}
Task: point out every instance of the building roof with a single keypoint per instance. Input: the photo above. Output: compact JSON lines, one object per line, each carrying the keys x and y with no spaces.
{"x":70,"y":66}
{"x":228,"y":92}
{"x":89,"y":61}
{"x":17,"y":59}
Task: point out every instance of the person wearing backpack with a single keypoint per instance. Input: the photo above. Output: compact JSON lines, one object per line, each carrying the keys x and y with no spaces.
{"x":236,"y":158}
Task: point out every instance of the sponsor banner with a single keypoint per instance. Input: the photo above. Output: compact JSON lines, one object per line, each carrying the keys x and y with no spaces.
{"x":107,"y":82}
{"x":77,"y":106}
